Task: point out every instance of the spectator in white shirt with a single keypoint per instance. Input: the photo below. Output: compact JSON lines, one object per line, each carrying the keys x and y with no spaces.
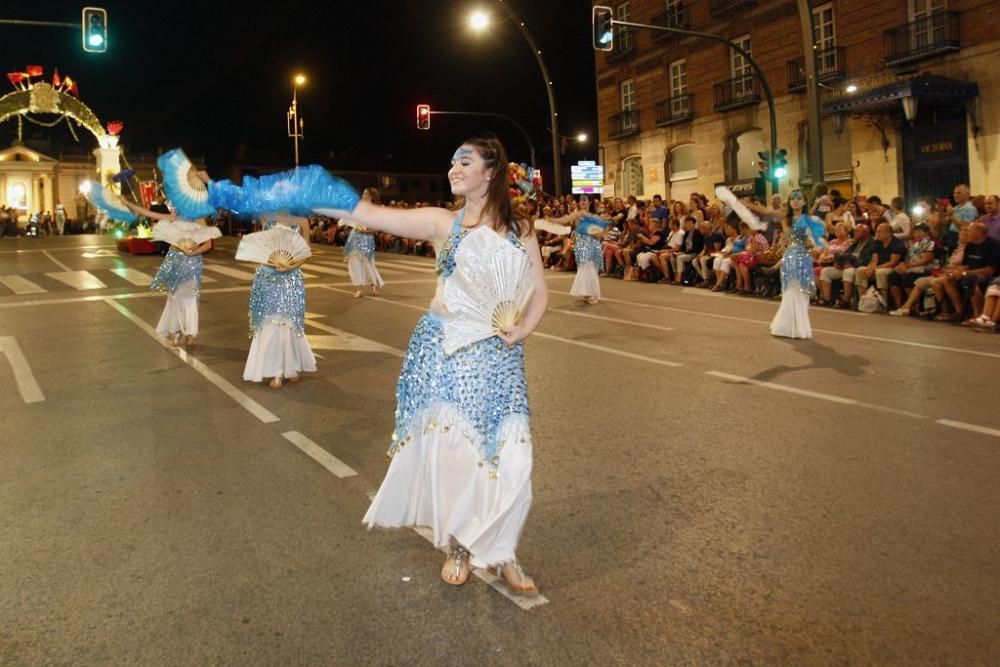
{"x":900,"y":221}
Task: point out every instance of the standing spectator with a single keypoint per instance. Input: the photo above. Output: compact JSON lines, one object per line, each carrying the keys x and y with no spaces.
{"x":900,"y":221}
{"x":659,"y":211}
{"x":992,"y":217}
{"x":964,"y":210}
{"x":839,"y":213}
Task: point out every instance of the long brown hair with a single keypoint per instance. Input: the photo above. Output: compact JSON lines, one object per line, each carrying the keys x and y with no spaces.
{"x":373,"y":195}
{"x":498,"y":204}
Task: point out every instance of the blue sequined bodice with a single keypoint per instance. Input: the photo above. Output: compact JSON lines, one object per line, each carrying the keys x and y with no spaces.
{"x":796,"y":263}
{"x":587,"y":248}
{"x":176,"y":270}
{"x":445,"y":262}
{"x":360,"y":242}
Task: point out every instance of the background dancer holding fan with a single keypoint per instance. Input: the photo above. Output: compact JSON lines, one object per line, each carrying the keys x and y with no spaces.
{"x":279,"y":349}
{"x":461,"y":453}
{"x":180,"y":272}
{"x":587,"y":248}
{"x":359,"y":251}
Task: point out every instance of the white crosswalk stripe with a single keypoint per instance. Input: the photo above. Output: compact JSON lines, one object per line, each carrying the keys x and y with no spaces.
{"x":80,"y":280}
{"x":135,"y":277}
{"x":227,"y":271}
{"x":19,"y":285}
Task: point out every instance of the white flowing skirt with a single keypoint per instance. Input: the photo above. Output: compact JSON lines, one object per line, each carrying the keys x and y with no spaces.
{"x":363,"y":271}
{"x":437,"y":479}
{"x":277,"y":350}
{"x":586,"y":282}
{"x":180,"y":314}
{"x":792,"y":318}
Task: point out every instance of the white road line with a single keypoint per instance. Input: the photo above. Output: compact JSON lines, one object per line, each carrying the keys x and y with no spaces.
{"x":347,"y":341}
{"x":80,"y":280}
{"x":250,"y":405}
{"x":20,"y":285}
{"x":781,"y":387}
{"x":56,"y":261}
{"x":320,"y":455}
{"x":319,"y":268}
{"x":400,"y":259}
{"x":208,"y":279}
{"x":64,"y":249}
{"x":26,"y":384}
{"x":611,"y":319}
{"x":409,"y":268}
{"x":734,"y":318}
{"x":969,"y":427}
{"x":137,"y":278}
{"x":538,"y":334}
{"x":216,"y":290}
{"x":226,"y":271}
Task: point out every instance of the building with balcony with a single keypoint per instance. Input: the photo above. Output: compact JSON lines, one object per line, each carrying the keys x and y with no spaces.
{"x":681,"y":114}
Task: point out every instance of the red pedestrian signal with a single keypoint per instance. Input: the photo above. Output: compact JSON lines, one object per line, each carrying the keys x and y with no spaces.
{"x":423,"y":117}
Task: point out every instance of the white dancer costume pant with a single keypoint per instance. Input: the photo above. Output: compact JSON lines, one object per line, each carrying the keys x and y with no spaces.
{"x":586,"y":282}
{"x":278,"y":350}
{"x":362,"y":271}
{"x":180,"y":314}
{"x":792,"y":318}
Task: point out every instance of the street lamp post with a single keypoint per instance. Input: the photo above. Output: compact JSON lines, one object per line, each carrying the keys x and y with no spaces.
{"x":479,"y":21}
{"x":812,"y":92}
{"x":295,"y":124}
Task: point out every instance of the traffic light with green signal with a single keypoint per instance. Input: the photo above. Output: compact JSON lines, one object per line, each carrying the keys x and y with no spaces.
{"x":780,"y":164}
{"x":604,"y":35}
{"x":95,"y":29}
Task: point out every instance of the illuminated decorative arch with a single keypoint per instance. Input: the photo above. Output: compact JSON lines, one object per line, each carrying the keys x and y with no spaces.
{"x":43,"y":98}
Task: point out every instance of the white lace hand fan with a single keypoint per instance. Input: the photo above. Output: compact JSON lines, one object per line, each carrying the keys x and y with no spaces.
{"x":184,"y":235}
{"x":275,"y":246}
{"x":733,"y":203}
{"x":488,"y":290}
{"x":552,"y":228}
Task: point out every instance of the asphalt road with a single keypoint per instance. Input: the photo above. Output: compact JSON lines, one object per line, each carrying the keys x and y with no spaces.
{"x":705,"y":494}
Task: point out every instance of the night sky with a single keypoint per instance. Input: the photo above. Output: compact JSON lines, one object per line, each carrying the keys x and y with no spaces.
{"x":218,"y":82}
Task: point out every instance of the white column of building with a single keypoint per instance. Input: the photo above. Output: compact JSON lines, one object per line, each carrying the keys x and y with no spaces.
{"x":48,"y":184}
{"x":34,"y":206}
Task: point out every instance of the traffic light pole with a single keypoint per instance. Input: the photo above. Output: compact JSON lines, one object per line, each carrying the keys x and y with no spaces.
{"x":531,"y":146}
{"x":753,"y":63}
{"x":547,"y":80}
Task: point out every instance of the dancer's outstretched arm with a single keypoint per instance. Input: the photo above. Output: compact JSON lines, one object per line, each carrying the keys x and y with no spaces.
{"x":426,"y":224}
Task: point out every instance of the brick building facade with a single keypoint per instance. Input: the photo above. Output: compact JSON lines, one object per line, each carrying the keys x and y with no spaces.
{"x":680,"y":114}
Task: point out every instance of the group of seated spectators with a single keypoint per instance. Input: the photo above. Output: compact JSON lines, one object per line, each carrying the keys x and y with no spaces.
{"x":940,"y":260}
{"x":328,"y":231}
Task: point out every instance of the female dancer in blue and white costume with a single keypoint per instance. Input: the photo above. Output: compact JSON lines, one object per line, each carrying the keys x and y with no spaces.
{"x":586,"y":250}
{"x":359,"y":251}
{"x":461,"y":451}
{"x":798,"y":284}
{"x":279,"y":349}
{"x":179,"y":276}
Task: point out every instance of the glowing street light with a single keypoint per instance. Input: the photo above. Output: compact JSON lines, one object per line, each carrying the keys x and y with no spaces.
{"x":851,"y":88}
{"x":295,"y":124}
{"x":479,"y":20}
{"x":582,"y":137}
